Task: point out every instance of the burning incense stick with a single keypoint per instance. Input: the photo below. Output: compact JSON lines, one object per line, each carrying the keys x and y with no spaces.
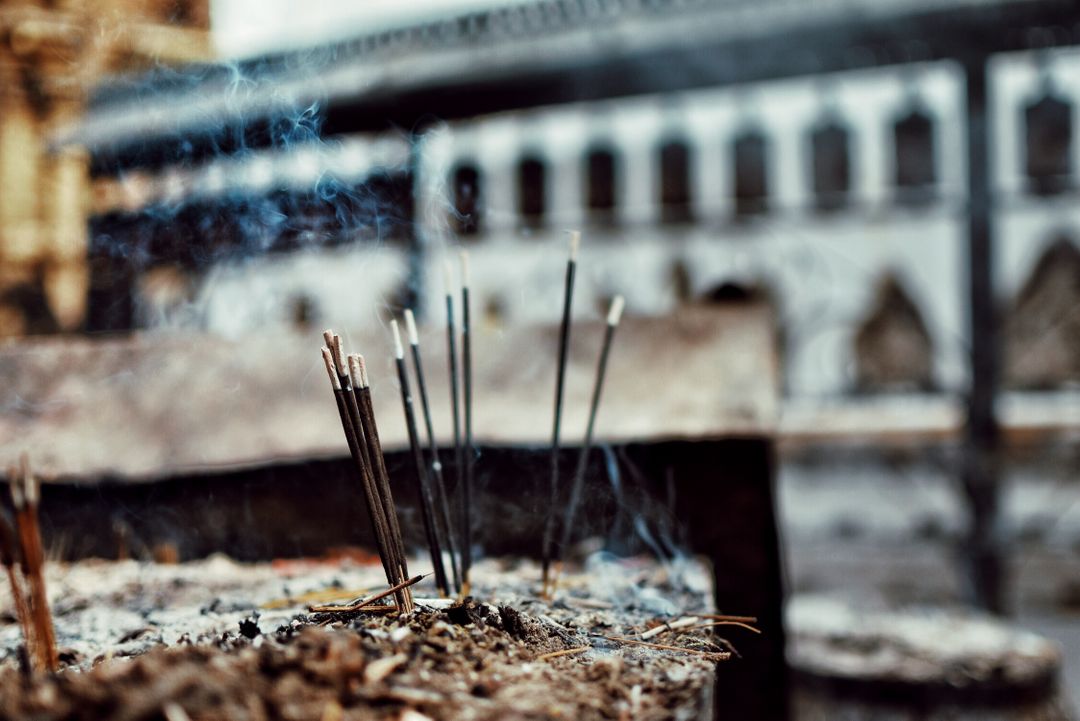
{"x":470,"y":455}
{"x":427,"y":505}
{"x":353,"y":439}
{"x":442,"y":498}
{"x":614,"y":315}
{"x":11,"y":558}
{"x":560,"y":377}
{"x":382,"y":478}
{"x":24,"y":496}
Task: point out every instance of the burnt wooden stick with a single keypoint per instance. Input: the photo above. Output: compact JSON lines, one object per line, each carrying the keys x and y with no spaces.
{"x":441,"y":496}
{"x":378,"y":525}
{"x":394,"y":549}
{"x":560,"y":378}
{"x":469,"y":451}
{"x":382,"y":478}
{"x":24,"y":495}
{"x":455,"y":408}
{"x":12,"y":558}
{"x":427,"y":505}
{"x":614,"y":314}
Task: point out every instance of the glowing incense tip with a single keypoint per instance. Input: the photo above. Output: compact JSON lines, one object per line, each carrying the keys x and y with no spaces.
{"x":448,"y":277}
{"x":575,"y":243}
{"x":410,"y":327}
{"x":363,"y":370}
{"x":464,"y":269}
{"x":328,"y":359}
{"x":354,"y":371}
{"x":399,"y":350}
{"x":615,"y":312}
{"x":339,"y":356}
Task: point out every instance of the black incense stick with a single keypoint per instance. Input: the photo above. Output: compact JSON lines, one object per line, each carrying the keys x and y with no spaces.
{"x":441,"y":496}
{"x":469,"y":452}
{"x":451,"y":353}
{"x":426,"y":502}
{"x":614,"y":314}
{"x":560,"y":377}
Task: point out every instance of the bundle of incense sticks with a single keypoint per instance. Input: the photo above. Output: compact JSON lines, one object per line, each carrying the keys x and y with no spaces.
{"x":348,"y":379}
{"x":20,"y":545}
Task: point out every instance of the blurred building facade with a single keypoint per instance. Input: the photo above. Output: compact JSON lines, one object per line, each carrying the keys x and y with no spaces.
{"x":51,"y":52}
{"x":842,"y":197}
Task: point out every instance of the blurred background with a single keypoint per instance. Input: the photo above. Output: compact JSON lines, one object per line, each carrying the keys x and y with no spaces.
{"x":897,"y":181}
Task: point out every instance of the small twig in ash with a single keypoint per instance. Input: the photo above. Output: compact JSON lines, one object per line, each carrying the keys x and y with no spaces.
{"x":714,"y":655}
{"x":665,"y":627}
{"x":564,"y":652}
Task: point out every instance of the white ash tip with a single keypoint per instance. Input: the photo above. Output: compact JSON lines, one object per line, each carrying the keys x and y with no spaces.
{"x":410,"y":327}
{"x":18,"y":500}
{"x":616,"y":309}
{"x":399,"y":350}
{"x":363,"y":370}
{"x":356,"y":374}
{"x":339,"y":356}
{"x":575,"y":243}
{"x":464,"y":269}
{"x":328,"y":337}
{"x":328,"y":359}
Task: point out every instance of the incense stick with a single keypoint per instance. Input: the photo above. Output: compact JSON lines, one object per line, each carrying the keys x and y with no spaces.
{"x":469,"y":451}
{"x":12,"y":559}
{"x":426,"y":502}
{"x":560,"y":377}
{"x":451,"y":353}
{"x":24,"y":496}
{"x":614,"y":315}
{"x":382,"y":478}
{"x":442,"y":498}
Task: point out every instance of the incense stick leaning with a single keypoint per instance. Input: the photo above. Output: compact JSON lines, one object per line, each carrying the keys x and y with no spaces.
{"x":441,"y":496}
{"x":382,"y":478}
{"x":614,"y":315}
{"x":427,"y":506}
{"x":11,"y":556}
{"x":352,"y":437}
{"x":24,"y":496}
{"x":560,"y":377}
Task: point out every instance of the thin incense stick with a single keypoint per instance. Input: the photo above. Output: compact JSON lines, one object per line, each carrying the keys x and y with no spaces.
{"x":614,"y":314}
{"x":382,"y":478}
{"x":469,"y":451}
{"x":455,"y":395}
{"x":12,"y":559}
{"x":24,"y":495}
{"x":427,"y":505}
{"x":441,"y":496}
{"x":560,"y":377}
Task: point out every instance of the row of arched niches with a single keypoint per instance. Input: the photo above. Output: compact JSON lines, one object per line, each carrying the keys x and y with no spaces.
{"x":1047,"y":138}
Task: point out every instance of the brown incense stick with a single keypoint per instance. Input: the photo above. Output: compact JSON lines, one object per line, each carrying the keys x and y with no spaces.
{"x":24,"y":496}
{"x":614,"y":315}
{"x":560,"y":377}
{"x":382,"y":478}
{"x":427,"y":504}
{"x":11,"y":557}
{"x":441,"y":496}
